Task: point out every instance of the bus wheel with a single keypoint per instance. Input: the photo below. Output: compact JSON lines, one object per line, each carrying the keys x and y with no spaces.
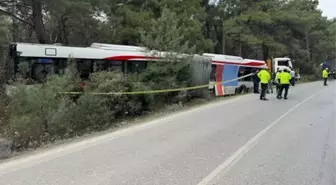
{"x":243,"y":89}
{"x":238,"y":90}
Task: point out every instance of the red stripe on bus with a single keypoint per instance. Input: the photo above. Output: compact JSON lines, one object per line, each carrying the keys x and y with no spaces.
{"x":241,"y":64}
{"x":129,"y":57}
{"x":219,"y":76}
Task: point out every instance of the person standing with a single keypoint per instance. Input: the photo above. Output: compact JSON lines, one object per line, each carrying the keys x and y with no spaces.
{"x":277,"y":80}
{"x":270,"y":84}
{"x":255,"y":80}
{"x":325,"y":75}
{"x":264,"y":77}
{"x":285,"y":78}
{"x":292,"y":73}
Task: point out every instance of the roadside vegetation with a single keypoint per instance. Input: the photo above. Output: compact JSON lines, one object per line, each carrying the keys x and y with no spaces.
{"x":31,"y":117}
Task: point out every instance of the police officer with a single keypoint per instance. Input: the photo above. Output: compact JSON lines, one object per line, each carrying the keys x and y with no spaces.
{"x":264,"y":77}
{"x":270,"y":85}
{"x":292,"y":73}
{"x":277,"y":80}
{"x":255,"y":80}
{"x":325,"y":75}
{"x":285,"y":78}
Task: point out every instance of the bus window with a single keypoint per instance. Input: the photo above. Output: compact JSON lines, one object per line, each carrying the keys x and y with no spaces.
{"x":25,"y":65}
{"x":213,"y":73}
{"x":60,"y":65}
{"x":102,"y":65}
{"x":115,"y":66}
{"x":99,"y":65}
{"x":245,"y":71}
{"x":84,"y":68}
{"x":41,"y":70}
{"x":136,"y":66}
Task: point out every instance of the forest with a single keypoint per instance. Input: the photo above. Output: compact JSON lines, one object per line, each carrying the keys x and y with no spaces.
{"x":256,"y":29}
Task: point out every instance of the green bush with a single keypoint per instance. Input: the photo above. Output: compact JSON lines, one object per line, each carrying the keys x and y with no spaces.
{"x":39,"y":114}
{"x":35,"y":110}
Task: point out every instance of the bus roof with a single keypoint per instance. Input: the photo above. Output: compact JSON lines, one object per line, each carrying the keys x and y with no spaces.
{"x":234,"y":60}
{"x":224,"y":58}
{"x":255,"y":63}
{"x":55,"y":51}
{"x":281,"y":59}
{"x":118,"y":47}
{"x":115,"y":52}
{"x":95,"y":51}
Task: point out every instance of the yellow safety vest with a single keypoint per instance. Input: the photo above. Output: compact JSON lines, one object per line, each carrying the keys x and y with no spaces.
{"x":285,"y":78}
{"x":277,"y":76}
{"x":324,"y":74}
{"x":264,"y":76}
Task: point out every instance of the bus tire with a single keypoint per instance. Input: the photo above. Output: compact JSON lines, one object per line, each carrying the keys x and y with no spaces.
{"x":238,"y":90}
{"x":242,"y":89}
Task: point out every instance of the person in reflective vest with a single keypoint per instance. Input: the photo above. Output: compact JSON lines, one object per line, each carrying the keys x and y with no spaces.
{"x":270,"y":84}
{"x":325,"y":75}
{"x":285,"y":78}
{"x":277,"y":80}
{"x":264,"y":77}
{"x":292,"y":73}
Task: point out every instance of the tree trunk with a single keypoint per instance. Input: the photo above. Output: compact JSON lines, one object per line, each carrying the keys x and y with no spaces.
{"x":223,"y":34}
{"x":265,"y":51}
{"x":62,"y":31}
{"x":38,"y":22}
{"x":240,"y":49}
{"x":308,"y":46}
{"x":223,"y":40}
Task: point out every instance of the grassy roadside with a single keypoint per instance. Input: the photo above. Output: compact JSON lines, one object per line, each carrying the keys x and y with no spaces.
{"x":162,"y":112}
{"x":307,"y":79}
{"x":159,"y":112}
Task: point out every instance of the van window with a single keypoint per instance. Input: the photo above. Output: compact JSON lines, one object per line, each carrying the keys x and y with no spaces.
{"x":283,"y":63}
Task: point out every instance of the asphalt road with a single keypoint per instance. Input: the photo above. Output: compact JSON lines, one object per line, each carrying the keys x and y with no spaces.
{"x":238,"y":141}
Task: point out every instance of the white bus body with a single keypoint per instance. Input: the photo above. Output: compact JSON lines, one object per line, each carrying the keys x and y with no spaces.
{"x":53,"y":58}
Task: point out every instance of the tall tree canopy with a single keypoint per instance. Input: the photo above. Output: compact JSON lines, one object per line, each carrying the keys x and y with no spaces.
{"x":257,"y":29}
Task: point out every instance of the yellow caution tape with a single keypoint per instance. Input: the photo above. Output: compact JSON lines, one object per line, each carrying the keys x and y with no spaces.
{"x":156,"y":91}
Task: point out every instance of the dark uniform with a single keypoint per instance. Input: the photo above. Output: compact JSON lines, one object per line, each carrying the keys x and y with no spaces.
{"x":277,"y":81}
{"x":256,"y":80}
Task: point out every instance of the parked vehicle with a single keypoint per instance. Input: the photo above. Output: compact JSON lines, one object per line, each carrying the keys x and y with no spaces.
{"x":331,"y":65}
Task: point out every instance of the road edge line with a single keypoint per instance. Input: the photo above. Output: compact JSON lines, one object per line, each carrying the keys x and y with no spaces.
{"x":234,"y":158}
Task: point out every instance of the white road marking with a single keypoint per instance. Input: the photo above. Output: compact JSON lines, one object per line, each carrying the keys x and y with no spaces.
{"x":18,"y":163}
{"x":234,"y":158}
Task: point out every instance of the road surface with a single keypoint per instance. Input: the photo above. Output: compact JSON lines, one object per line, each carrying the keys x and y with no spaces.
{"x":240,"y":141}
